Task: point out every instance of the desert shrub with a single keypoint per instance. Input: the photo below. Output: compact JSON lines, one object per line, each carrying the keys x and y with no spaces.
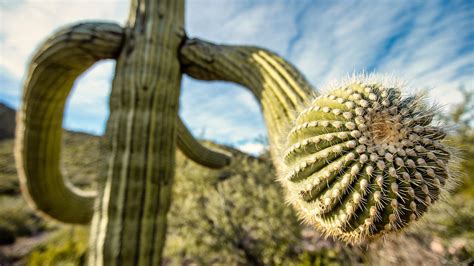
{"x":82,"y":159}
{"x":325,"y":256}
{"x":19,"y":216}
{"x":233,"y":216}
{"x":9,"y":180}
{"x":66,"y":247}
{"x":7,"y":233}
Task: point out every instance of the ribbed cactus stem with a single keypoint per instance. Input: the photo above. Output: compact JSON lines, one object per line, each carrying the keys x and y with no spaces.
{"x":142,"y":132}
{"x":130,"y":225}
{"x":363,"y":161}
{"x":54,"y":68}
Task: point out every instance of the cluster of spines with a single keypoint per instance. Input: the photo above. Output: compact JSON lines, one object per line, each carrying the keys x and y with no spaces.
{"x":363,"y":161}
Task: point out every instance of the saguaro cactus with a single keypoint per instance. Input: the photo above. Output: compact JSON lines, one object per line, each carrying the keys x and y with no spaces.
{"x":357,"y":163}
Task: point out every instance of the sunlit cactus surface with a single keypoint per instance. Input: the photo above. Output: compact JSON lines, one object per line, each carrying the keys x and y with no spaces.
{"x":363,"y":160}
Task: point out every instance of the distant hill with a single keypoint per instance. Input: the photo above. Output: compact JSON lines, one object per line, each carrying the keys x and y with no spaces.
{"x":7,"y":122}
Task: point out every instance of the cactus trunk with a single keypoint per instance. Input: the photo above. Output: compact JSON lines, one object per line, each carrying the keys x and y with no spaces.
{"x":129,"y":224}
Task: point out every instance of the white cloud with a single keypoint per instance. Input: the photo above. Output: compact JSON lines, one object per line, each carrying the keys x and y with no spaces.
{"x":253,"y":148}
{"x":90,"y":94}
{"x":26,"y":24}
{"x":222,"y":111}
{"x":342,"y":38}
{"x":268,"y":24}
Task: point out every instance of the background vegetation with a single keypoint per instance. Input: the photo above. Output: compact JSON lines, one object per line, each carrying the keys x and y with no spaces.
{"x":236,"y":215}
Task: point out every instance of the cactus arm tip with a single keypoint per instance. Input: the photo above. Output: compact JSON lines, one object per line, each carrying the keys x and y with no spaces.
{"x":363,"y":161}
{"x":199,"y":153}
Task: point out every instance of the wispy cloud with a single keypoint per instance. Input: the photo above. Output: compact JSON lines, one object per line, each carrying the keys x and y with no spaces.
{"x":428,"y":43}
{"x":253,"y":148}
{"x":26,"y":24}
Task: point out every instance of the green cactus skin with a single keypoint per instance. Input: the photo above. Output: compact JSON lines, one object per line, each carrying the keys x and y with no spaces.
{"x":363,"y":161}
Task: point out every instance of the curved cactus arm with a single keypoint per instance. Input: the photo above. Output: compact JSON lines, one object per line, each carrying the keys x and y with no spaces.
{"x":280,"y":88}
{"x":358,"y":162}
{"x":197,"y":152}
{"x":51,"y":75}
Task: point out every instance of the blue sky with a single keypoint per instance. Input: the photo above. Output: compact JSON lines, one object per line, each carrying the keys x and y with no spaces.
{"x":430,"y":44}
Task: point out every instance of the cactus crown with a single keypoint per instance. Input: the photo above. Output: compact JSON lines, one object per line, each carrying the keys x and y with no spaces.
{"x":363,"y":160}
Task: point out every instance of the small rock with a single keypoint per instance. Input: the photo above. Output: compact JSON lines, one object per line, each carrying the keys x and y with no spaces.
{"x":436,"y":246}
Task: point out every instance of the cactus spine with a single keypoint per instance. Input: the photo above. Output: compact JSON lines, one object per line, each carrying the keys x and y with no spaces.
{"x":363,"y":161}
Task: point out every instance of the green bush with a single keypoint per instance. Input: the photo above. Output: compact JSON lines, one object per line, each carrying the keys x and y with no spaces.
{"x":323,"y":257}
{"x":9,"y":180}
{"x":22,"y":219}
{"x":66,"y":247}
{"x":233,"y":216}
